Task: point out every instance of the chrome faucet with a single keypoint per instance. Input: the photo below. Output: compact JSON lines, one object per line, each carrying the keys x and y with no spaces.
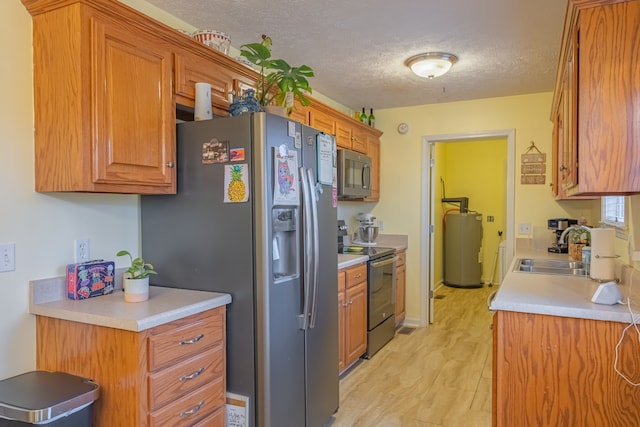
{"x":572,"y":227}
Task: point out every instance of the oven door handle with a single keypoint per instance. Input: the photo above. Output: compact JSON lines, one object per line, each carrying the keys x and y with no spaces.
{"x":384,"y":262}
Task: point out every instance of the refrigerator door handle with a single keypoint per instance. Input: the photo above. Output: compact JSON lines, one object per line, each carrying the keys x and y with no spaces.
{"x":316,"y":248}
{"x":308,"y":265}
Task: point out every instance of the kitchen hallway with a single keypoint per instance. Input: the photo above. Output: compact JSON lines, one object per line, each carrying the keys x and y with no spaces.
{"x":435,"y":376}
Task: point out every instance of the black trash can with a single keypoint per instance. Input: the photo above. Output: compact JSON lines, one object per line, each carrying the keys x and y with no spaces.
{"x":54,"y":399}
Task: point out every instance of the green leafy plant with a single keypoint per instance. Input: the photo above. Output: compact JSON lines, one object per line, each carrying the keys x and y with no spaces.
{"x":279,"y":83}
{"x":138,"y":269}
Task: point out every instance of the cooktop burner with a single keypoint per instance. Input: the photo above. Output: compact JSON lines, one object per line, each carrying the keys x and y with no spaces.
{"x":373,"y":252}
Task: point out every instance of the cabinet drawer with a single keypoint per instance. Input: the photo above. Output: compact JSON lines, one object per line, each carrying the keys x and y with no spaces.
{"x":402,"y":257}
{"x":356,"y":275}
{"x":214,"y":420}
{"x":177,"y":380}
{"x":185,"y":337}
{"x":191,"y":408}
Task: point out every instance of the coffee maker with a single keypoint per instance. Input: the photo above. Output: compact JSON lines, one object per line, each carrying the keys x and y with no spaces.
{"x":558,"y":225}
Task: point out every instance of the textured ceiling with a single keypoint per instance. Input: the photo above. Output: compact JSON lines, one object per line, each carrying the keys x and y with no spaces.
{"x":358,"y":48}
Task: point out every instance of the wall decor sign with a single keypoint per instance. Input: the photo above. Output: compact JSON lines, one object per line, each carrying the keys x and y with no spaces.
{"x":533,"y":166}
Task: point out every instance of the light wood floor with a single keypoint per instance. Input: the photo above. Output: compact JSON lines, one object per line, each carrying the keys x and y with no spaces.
{"x":434,"y":376}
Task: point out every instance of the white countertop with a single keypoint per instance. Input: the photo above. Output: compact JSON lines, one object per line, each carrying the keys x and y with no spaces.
{"x":347,"y":260}
{"x":163,"y":306}
{"x":556,"y":295}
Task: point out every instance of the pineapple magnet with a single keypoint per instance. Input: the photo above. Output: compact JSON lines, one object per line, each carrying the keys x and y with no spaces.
{"x":236,"y":183}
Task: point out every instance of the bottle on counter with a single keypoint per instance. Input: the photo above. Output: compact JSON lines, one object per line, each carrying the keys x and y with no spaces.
{"x":372,"y":118}
{"x":363,"y":116}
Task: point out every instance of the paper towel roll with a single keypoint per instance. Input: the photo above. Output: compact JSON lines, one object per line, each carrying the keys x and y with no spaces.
{"x":203,"y":102}
{"x":602,"y":254}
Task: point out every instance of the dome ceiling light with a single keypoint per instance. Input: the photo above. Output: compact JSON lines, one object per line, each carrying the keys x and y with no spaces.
{"x":431,"y":64}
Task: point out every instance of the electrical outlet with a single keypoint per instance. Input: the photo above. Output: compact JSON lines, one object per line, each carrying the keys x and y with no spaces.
{"x":524,"y":228}
{"x":7,"y":257}
{"x":81,"y":250}
{"x":380,"y":225}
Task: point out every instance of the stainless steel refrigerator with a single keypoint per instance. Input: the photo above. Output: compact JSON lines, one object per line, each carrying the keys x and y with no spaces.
{"x":255,"y":216}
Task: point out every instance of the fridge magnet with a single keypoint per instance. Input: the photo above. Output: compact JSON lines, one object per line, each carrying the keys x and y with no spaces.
{"x":236,"y":183}
{"x":236,"y":154}
{"x":325,"y":158}
{"x":285,"y":190}
{"x":215,"y":151}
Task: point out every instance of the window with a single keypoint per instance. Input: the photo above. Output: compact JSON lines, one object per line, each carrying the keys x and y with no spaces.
{"x":613,"y":211}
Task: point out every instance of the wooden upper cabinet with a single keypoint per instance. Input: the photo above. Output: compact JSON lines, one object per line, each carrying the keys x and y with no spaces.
{"x":599,"y":82}
{"x":322,"y":121}
{"x":132,"y":85}
{"x":343,"y":134}
{"x":104,"y":112}
{"x":349,"y":136}
{"x":300,"y":113}
{"x":191,"y":68}
{"x":359,"y":140}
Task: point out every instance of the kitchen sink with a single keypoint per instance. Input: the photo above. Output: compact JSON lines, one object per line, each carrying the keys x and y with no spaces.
{"x":550,"y":266}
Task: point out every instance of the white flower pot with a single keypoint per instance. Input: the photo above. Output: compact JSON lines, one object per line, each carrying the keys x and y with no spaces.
{"x":136,"y":290}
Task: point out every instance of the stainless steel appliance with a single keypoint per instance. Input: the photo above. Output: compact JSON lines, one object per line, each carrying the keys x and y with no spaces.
{"x":354,"y":174}
{"x":558,"y":225}
{"x":463,"y":249}
{"x":381,"y":291}
{"x":367,"y":230}
{"x":270,"y":243}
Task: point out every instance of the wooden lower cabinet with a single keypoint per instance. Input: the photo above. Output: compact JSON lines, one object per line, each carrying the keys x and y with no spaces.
{"x":559,"y":371}
{"x":401,"y":285}
{"x":352,"y":315}
{"x":170,"y":375}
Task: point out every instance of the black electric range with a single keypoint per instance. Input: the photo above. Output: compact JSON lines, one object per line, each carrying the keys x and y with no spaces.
{"x":373,"y":252}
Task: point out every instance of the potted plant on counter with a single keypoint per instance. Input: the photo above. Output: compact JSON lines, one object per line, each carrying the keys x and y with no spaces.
{"x":279,"y":83}
{"x":136,"y":278}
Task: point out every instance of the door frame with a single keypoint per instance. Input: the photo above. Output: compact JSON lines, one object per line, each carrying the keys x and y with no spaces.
{"x":427,"y":220}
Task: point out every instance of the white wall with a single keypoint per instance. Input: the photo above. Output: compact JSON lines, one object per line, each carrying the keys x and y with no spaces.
{"x":401,"y":167}
{"x":42,"y":226}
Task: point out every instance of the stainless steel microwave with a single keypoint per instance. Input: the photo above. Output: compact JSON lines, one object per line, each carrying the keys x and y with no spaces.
{"x":354,"y":175}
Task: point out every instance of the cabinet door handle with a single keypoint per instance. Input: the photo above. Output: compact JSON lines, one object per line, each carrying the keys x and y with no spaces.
{"x":192,"y":375}
{"x":350,"y":302}
{"x":563,"y":168}
{"x":192,"y":340}
{"x":170,"y":165}
{"x":192,"y":410}
{"x":357,"y":276}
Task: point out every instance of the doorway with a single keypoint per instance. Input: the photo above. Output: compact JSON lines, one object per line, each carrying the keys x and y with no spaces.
{"x":428,"y":211}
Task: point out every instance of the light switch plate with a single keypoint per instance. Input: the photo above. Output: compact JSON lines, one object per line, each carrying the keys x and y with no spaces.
{"x":7,"y":257}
